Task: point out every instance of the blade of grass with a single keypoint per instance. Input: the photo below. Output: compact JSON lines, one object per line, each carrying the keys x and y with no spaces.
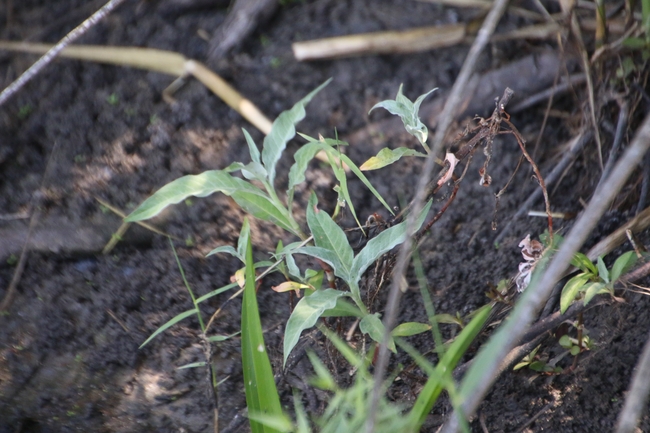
{"x":261,"y":393}
{"x":436,"y":382}
{"x":168,"y":324}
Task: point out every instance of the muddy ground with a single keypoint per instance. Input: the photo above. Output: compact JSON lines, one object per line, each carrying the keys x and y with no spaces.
{"x":69,"y":356}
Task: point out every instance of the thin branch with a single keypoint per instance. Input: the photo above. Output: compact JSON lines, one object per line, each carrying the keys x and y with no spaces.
{"x":55,"y":50}
{"x":10,"y":294}
{"x":637,"y":395}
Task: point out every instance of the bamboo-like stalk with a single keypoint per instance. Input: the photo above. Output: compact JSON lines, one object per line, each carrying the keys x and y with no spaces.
{"x":166,"y":62}
{"x":390,"y":42}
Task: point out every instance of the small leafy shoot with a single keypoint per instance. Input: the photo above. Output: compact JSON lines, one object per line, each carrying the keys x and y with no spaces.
{"x":408,"y":112}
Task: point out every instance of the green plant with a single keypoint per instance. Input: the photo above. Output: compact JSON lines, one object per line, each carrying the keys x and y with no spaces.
{"x":408,"y":111}
{"x":113,"y":99}
{"x":594,"y":279}
{"x":347,"y":408}
{"x":537,"y":363}
{"x":642,"y":43}
{"x":325,"y":241}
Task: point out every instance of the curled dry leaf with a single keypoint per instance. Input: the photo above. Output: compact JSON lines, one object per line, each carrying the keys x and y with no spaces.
{"x":239,"y":278}
{"x":291,"y":285}
{"x":486,"y":179}
{"x":452,"y":160}
{"x":531,"y":250}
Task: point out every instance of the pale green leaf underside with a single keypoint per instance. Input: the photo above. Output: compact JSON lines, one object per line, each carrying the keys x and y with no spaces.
{"x":388,"y":156}
{"x":225,"y":249}
{"x":571,"y":290}
{"x":371,"y":324}
{"x":331,"y":258}
{"x":283,"y":130}
{"x":302,"y":157}
{"x":328,"y":235}
{"x":199,"y":185}
{"x":305,"y":315}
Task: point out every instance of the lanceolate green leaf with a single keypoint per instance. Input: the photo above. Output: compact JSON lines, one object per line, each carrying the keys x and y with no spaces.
{"x":199,"y":185}
{"x":283,"y":130}
{"x":252,"y":147}
{"x":225,"y":249}
{"x":305,"y":315}
{"x":261,"y":393}
{"x":410,"y":328}
{"x":249,"y":197}
{"x":603,"y":273}
{"x":582,"y":262}
{"x":328,"y":235}
{"x":302,"y":157}
{"x":388,"y":156}
{"x":593,"y":289}
{"x":385,"y":241}
{"x":622,"y":265}
{"x":260,"y":206}
{"x":371,"y":324}
{"x":571,"y":290}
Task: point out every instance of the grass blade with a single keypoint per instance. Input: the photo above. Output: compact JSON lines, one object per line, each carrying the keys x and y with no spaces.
{"x":261,"y":393}
{"x":170,"y":323}
{"x":305,"y":315}
{"x":434,"y":385}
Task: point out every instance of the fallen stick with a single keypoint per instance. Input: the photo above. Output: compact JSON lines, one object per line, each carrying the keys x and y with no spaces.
{"x":243,"y":18}
{"x":166,"y":62}
{"x":390,"y":42}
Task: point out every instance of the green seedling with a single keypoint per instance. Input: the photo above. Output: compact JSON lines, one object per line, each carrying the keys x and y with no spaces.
{"x":113,"y":99}
{"x":594,"y":279}
{"x":537,"y":363}
{"x":408,"y":112}
{"x":25,"y":111}
{"x":332,"y":291}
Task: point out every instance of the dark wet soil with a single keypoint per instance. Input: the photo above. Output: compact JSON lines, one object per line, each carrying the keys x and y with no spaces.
{"x":69,"y":345}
